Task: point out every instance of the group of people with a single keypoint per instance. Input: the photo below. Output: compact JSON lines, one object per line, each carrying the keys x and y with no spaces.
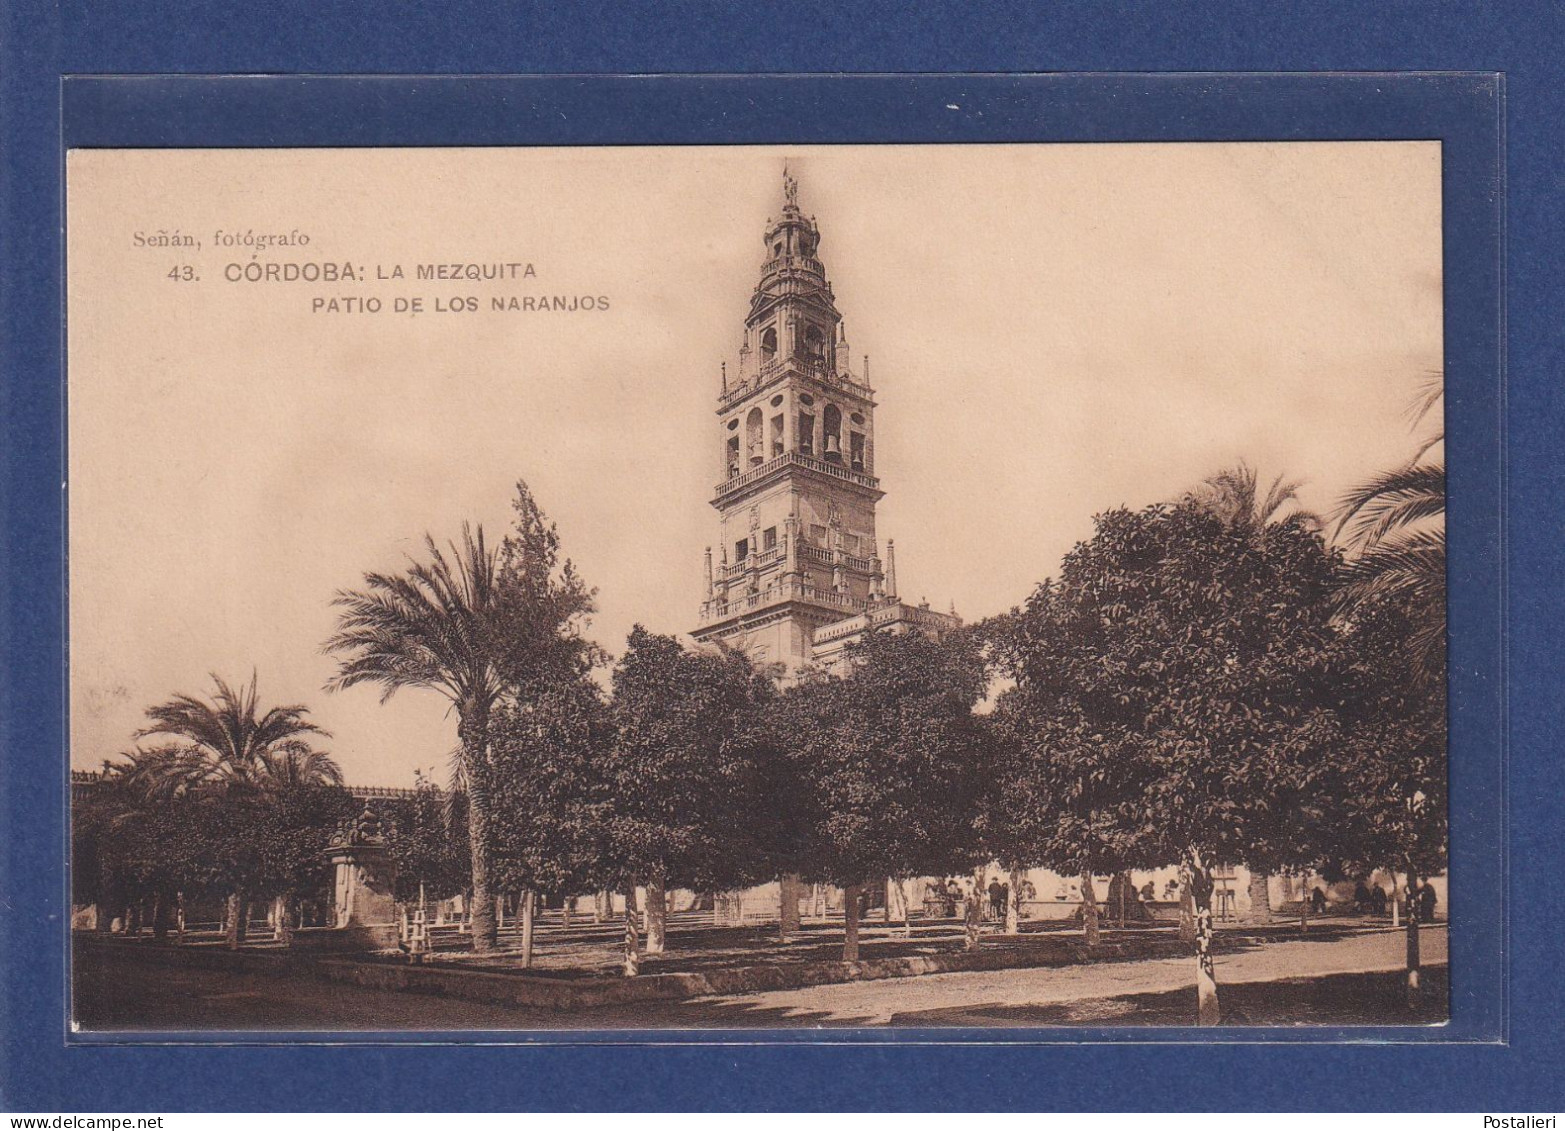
{"x":1374,"y":900}
{"x":948,"y":899}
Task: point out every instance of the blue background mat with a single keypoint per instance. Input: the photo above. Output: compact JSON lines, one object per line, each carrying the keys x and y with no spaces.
{"x":890,"y":1070}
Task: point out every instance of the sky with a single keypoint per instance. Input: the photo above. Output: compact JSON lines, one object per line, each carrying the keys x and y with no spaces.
{"x":1053,"y":331}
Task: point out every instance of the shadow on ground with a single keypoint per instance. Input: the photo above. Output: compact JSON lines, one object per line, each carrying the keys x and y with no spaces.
{"x":1338,"y":999}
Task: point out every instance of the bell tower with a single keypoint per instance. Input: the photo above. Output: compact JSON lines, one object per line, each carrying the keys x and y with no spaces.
{"x":795,"y":441}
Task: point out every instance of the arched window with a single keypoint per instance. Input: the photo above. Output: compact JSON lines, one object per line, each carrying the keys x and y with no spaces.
{"x":752,"y":436}
{"x":769,"y":342}
{"x":832,"y":433}
{"x":814,"y":343}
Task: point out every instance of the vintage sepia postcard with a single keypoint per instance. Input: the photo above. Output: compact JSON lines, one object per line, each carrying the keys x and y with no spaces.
{"x":722,"y":587}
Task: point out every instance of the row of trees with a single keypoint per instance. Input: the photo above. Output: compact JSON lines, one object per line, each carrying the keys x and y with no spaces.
{"x":1204,"y":681}
{"x":227,"y":801}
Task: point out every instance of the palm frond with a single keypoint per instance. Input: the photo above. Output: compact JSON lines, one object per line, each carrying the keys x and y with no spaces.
{"x":432,"y":626}
{"x":1278,"y":495}
{"x":1368,"y":512}
{"x":225,"y":734}
{"x":1431,"y":391}
{"x":1409,"y":562}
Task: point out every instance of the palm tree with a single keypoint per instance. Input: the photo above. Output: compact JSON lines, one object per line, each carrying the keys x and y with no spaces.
{"x":1393,"y":529}
{"x":222,"y":747}
{"x":440,"y":626}
{"x":227,"y":743}
{"x":474,"y":624}
{"x":1234,"y":496}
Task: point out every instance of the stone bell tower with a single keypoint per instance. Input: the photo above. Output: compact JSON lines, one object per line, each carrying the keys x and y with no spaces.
{"x":795,"y":441}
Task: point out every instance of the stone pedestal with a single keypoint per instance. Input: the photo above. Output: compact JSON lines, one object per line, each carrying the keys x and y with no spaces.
{"x":363,"y":880}
{"x":364,"y":910}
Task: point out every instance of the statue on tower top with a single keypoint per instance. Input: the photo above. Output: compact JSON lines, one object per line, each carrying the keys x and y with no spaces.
{"x":790,"y":189}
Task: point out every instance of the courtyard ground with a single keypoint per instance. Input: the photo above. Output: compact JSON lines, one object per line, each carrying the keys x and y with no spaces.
{"x":1346,"y":979}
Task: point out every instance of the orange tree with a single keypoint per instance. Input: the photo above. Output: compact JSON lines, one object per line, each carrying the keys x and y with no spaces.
{"x":1177,"y":696}
{"x":888,"y":765}
{"x":426,"y":836}
{"x":1394,"y":776}
{"x":685,"y":766}
{"x":549,"y":800}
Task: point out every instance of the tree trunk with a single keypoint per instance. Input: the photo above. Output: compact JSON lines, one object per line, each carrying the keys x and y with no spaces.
{"x":1186,"y":906}
{"x":1413,"y":993}
{"x":1089,"y":909}
{"x":787,"y":906}
{"x":1260,"y":898}
{"x":565,"y":912}
{"x":160,"y":917}
{"x":1304,"y":904}
{"x":898,"y":890}
{"x":179,"y":919}
{"x":632,"y":937}
{"x":975,"y":912}
{"x":283,"y":909}
{"x":1013,"y":904}
{"x":657,"y":917}
{"x":233,"y":928}
{"x":850,"y":920}
{"x":1207,"y":1010}
{"x":473,"y":727}
{"x":529,"y":912}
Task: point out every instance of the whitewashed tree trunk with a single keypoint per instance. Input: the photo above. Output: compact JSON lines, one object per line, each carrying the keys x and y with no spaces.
{"x":1413,"y":957}
{"x":657,"y":917}
{"x":1260,"y":898}
{"x":1089,"y":909}
{"x":1186,"y":906}
{"x":972,"y":928}
{"x":1207,"y":1009}
{"x":897,"y":892}
{"x":850,"y":918}
{"x":632,"y":938}
{"x":1013,"y":903}
{"x":529,"y":912}
{"x":788,"y":905}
